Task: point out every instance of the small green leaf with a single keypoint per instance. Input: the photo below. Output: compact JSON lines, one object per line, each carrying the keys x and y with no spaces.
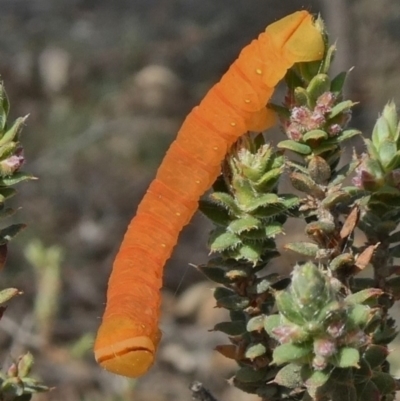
{"x":15,"y":178}
{"x":340,"y":108}
{"x":309,"y":290}
{"x":287,"y":353}
{"x":343,"y":260}
{"x":289,"y":200}
{"x":313,"y":379}
{"x":375,"y":355}
{"x":261,"y":201}
{"x":346,"y":358}
{"x":220,"y":241}
{"x":315,"y":135}
{"x":302,"y":97}
{"x":255,"y":351}
{"x":347,"y":134}
{"x":215,"y":274}
{"x":335,"y":198}
{"x":330,"y":51}
{"x":7,"y":294}
{"x":303,"y":248}
{"x":288,"y":308}
{"x":14,"y":131}
{"x":13,"y":388}
{"x":325,"y":147}
{"x":227,"y":201}
{"x":294,"y":146}
{"x":381,"y":132}
{"x":246,"y":374}
{"x":222,"y":292}
{"x":271,"y":322}
{"x":366,"y":391}
{"x":362,"y":296}
{"x":359,"y":315}
{"x":7,"y":149}
{"x":243,"y":224}
{"x":385,"y":383}
{"x":305,"y":184}
{"x":25,"y":364}
{"x":269,"y":231}
{"x":249,"y":251}
{"x":230,"y":300}
{"x":8,"y":233}
{"x":318,"y":85}
{"x":319,"y":169}
{"x":215,"y":212}
{"x":294,"y":166}
{"x":256,"y":323}
{"x":237,"y":315}
{"x":260,"y":287}
{"x":4,"y":107}
{"x":289,"y":376}
{"x":320,"y":228}
{"x":338,"y":82}
{"x":269,"y":180}
{"x":387,"y":151}
{"x":272,"y":229}
{"x":243,"y":189}
{"x":394,"y":163}
{"x":236,"y":328}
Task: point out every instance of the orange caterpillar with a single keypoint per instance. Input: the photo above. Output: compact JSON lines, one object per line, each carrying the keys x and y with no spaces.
{"x":128,"y":336}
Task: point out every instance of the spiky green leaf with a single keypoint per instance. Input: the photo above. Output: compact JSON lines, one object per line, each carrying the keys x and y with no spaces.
{"x":218,"y":214}
{"x":220,"y":240}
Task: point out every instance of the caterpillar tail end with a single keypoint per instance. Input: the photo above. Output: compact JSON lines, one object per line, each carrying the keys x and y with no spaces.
{"x":122,"y":352}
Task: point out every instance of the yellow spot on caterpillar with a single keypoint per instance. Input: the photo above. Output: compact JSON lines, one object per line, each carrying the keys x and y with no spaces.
{"x":233,"y":124}
{"x":258,"y":71}
{"x":215,"y":147}
{"x":163,"y":245}
{"x":197,"y":181}
{"x":177,"y":213}
{"x":247,"y":101}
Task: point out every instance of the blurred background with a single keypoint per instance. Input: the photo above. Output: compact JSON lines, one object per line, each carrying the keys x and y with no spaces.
{"x":106,"y":85}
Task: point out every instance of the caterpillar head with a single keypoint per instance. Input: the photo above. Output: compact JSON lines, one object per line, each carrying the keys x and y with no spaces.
{"x":298,"y":37}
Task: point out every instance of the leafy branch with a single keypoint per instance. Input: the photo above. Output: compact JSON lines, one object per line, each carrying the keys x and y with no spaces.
{"x":321,"y":333}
